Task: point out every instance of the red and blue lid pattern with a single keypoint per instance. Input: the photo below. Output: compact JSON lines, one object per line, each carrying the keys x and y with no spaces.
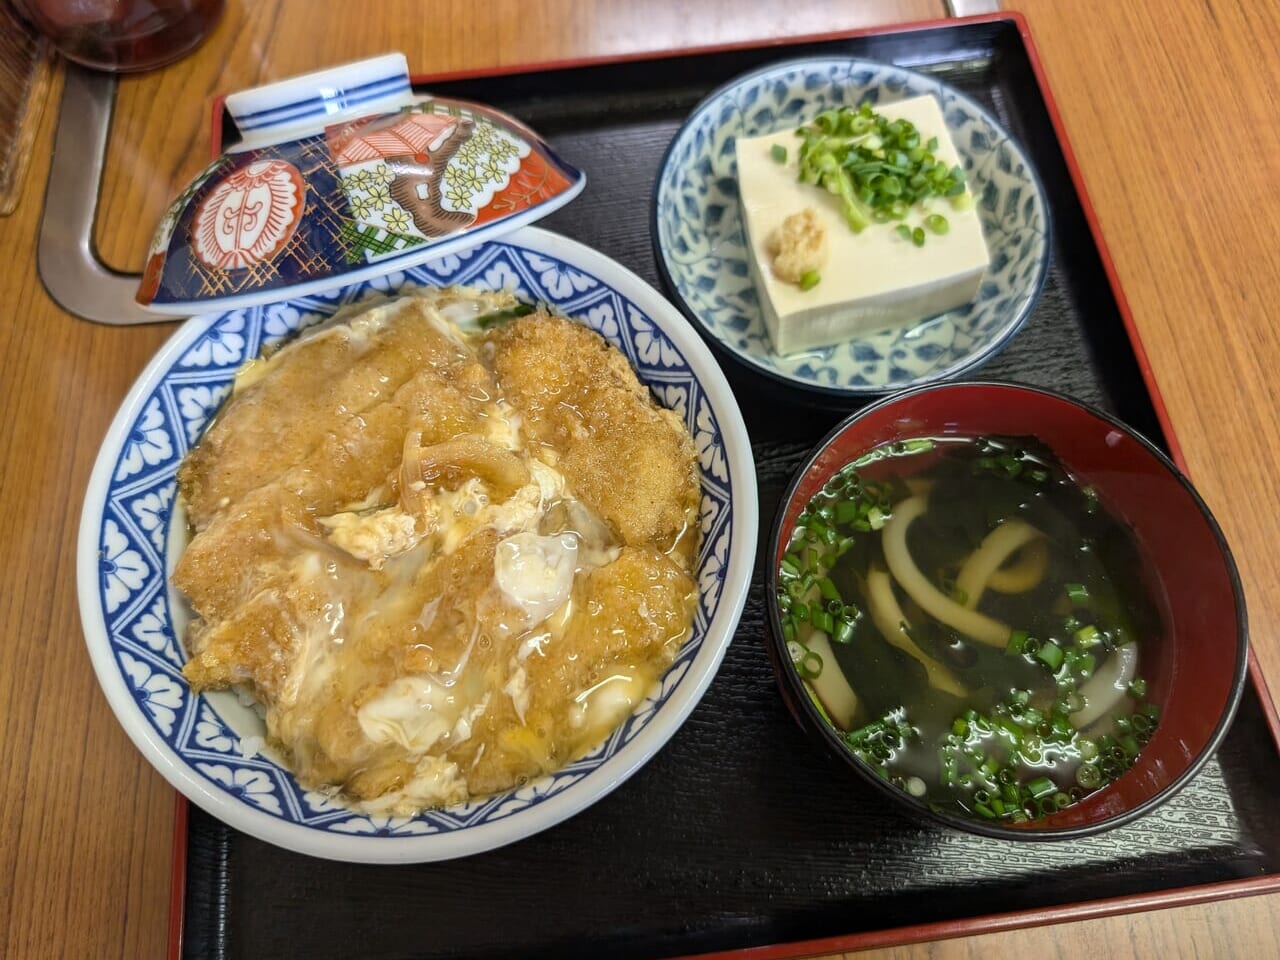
{"x":341,"y":176}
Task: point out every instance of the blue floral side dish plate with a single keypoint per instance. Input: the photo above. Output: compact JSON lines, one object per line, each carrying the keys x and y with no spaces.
{"x":210,"y":747}
{"x":701,"y":249}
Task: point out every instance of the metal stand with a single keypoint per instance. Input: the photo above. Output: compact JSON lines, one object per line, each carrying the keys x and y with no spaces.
{"x":69,"y":266}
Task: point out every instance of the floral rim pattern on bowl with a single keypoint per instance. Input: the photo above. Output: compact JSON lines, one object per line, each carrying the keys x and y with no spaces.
{"x":131,"y":534}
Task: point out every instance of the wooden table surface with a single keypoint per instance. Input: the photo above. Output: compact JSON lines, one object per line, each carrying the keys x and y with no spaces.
{"x":1170,"y":109}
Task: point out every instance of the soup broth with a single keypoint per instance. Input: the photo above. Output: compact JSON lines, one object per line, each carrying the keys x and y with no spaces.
{"x":972,"y":620}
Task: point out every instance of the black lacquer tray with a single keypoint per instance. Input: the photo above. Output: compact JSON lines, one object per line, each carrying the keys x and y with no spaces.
{"x":742,"y":832}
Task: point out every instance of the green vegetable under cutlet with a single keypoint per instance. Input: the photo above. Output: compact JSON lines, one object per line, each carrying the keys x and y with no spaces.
{"x":502,"y":316}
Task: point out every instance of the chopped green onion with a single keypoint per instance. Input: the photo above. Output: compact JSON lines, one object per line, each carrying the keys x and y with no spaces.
{"x":828,"y":589}
{"x":501,"y":316}
{"x":1017,"y":642}
{"x":1050,"y":655}
{"x":810,"y":665}
{"x":779,"y":153}
{"x":937,"y":223}
{"x":822,"y":620}
{"x":1012,"y":729}
{"x":1087,"y":636}
{"x":917,"y":236}
{"x":1041,"y":787}
{"x":1085,"y":665}
{"x":903,"y":231}
{"x":1089,"y":776}
{"x":1077,"y":593}
{"x":847,"y":511}
{"x":796,"y":650}
{"x":810,"y":279}
{"x":1138,"y":688}
{"x":843,"y":632}
{"x":879,"y":168}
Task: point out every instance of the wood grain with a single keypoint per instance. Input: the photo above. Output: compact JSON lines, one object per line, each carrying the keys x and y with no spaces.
{"x":1197,"y":259}
{"x":26,"y":69}
{"x":1235,"y":928}
{"x":1169,"y":108}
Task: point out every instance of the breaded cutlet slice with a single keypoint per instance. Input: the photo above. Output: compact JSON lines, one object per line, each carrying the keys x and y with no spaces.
{"x":234,"y":556}
{"x":624,"y":456}
{"x":285,"y":406}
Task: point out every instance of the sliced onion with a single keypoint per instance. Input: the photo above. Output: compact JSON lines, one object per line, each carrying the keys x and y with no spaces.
{"x":452,"y":462}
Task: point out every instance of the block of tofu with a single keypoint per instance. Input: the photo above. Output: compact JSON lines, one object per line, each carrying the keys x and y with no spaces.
{"x":871,"y":280}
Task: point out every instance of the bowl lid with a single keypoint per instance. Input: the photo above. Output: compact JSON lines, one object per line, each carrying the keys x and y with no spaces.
{"x":340,"y":176}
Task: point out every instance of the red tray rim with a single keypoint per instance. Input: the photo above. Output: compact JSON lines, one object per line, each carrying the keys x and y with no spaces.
{"x":915,"y":933}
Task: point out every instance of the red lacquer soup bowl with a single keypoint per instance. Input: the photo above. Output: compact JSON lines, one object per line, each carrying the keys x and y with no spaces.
{"x":1195,"y":671}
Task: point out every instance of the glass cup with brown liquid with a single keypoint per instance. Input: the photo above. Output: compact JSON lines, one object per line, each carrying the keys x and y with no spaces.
{"x":123,"y":35}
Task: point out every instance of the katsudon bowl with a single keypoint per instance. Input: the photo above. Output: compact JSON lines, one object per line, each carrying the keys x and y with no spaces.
{"x":211,"y":747}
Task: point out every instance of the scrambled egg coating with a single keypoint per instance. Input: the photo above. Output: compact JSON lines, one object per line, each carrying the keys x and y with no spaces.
{"x":444,"y":560}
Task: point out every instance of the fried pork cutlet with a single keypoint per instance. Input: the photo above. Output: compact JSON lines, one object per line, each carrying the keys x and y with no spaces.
{"x":331,"y":378}
{"x":444,"y":561}
{"x":627,"y":458}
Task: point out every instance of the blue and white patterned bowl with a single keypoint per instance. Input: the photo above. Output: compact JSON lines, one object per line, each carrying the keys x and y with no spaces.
{"x":131,"y":534}
{"x":701,"y":247}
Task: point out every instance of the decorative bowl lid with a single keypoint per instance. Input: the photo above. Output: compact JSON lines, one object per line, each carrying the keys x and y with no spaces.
{"x":342,"y":175}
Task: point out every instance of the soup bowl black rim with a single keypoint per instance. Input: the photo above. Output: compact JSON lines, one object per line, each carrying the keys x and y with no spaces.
{"x":802,"y":706}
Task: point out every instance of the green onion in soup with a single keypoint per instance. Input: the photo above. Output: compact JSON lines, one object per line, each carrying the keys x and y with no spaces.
{"x":971,"y":619}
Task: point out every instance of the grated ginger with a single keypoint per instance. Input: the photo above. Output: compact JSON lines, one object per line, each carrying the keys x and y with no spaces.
{"x":798,"y":247}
